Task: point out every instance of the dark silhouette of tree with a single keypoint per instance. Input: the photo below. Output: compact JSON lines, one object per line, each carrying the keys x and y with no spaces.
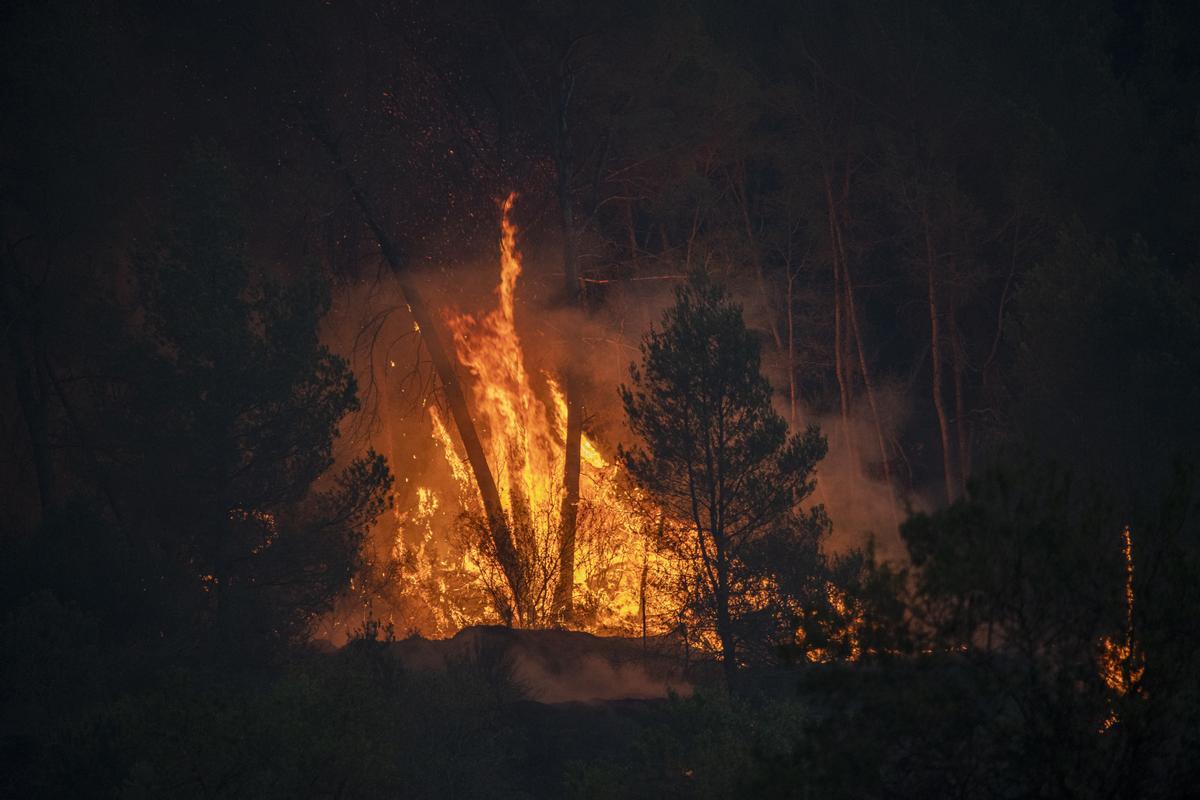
{"x":1062,"y":596}
{"x":223,"y":418}
{"x":714,"y":452}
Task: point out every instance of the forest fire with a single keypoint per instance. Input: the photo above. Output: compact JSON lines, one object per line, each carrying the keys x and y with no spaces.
{"x":447,"y":574}
{"x":522,"y":420}
{"x":818,"y":422}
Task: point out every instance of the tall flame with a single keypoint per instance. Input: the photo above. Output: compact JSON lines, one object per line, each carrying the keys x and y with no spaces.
{"x":522,"y":422}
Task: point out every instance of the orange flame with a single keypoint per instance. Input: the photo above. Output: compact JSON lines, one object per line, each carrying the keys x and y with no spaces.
{"x":522,"y":422}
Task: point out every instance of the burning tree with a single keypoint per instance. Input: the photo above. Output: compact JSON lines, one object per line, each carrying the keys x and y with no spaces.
{"x":716,"y":455}
{"x":442,"y":567}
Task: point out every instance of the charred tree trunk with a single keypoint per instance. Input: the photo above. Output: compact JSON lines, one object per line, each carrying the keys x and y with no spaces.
{"x":569,"y":516}
{"x":498,"y":528}
{"x":506,"y":550}
{"x":935,"y":351}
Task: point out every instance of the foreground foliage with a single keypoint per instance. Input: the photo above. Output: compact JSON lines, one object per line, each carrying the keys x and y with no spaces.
{"x":932,"y":707}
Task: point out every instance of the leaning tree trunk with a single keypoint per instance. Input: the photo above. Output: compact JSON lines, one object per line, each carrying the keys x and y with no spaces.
{"x":498,"y":528}
{"x":506,"y":549}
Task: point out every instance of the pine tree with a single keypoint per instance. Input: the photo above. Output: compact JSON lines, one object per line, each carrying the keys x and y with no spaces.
{"x":715,"y":454}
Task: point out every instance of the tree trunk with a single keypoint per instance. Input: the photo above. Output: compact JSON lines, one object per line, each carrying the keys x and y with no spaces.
{"x":741,"y":191}
{"x":506,"y":551}
{"x":564,"y":591}
{"x":569,"y":516}
{"x":384,"y":412}
{"x":631,"y":231}
{"x":935,"y":350}
{"x":725,"y":624}
{"x":793,"y":389}
{"x":986,"y":369}
{"x":868,"y":384}
{"x":962,"y":428}
{"x":838,"y":366}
